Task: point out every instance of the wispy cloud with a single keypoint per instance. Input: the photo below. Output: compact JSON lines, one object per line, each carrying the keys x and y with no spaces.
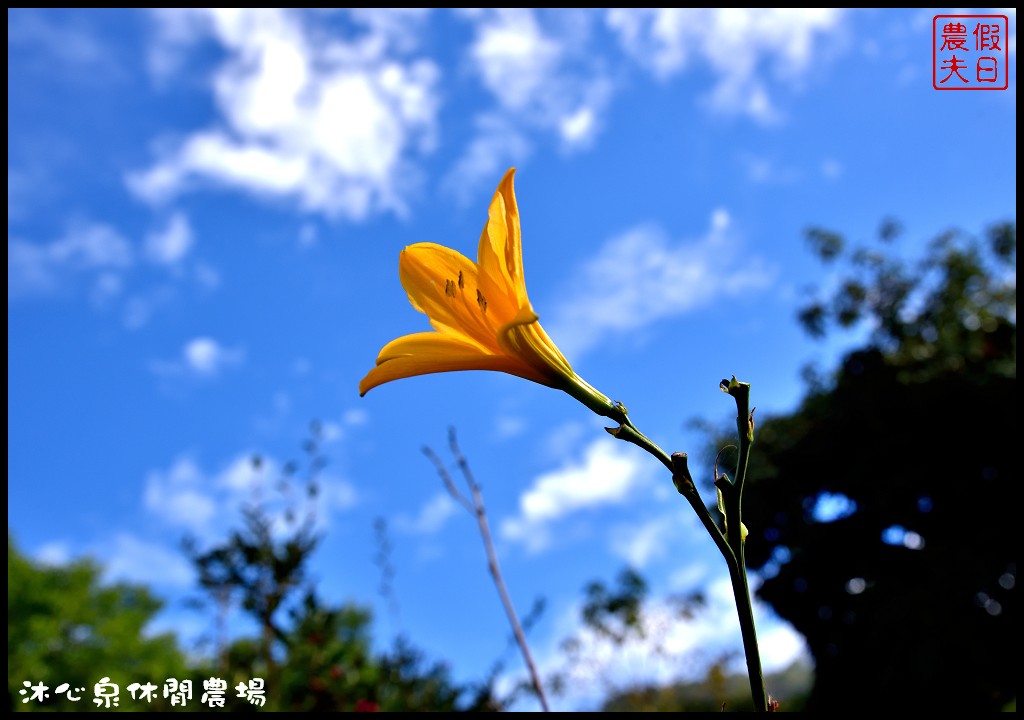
{"x":432,"y":516}
{"x":87,"y":248}
{"x":205,"y":356}
{"x":98,"y":256}
{"x":184,"y":496}
{"x":177,"y":495}
{"x":671,"y":647}
{"x":641,"y":277}
{"x":68,"y":42}
{"x":747,"y":50}
{"x":304,"y":114}
{"x":170,"y":244}
{"x":509,"y":426}
{"x":332,"y":431}
{"x":606,"y":475}
{"x":765,"y":170}
{"x":497,"y":143}
{"x":130,"y":558}
{"x":643,"y":542}
{"x":340,"y":122}
{"x":56,"y":552}
{"x":201,"y":357}
{"x":545,"y":79}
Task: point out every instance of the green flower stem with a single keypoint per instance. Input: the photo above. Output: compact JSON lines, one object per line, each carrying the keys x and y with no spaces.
{"x":731,"y":542}
{"x":628,"y":432}
{"x":745,"y":612}
{"x":732,"y":495}
{"x":684,"y":484}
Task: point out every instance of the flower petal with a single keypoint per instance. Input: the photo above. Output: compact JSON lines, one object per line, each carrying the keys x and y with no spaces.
{"x":445,"y":285}
{"x":432,"y":352}
{"x":500,"y":255}
{"x":525,"y":339}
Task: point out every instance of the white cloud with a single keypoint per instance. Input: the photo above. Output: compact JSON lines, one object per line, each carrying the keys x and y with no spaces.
{"x":69,"y":43}
{"x":97,"y":255}
{"x":54,"y":553}
{"x":578,"y":126}
{"x":432,"y":516}
{"x":514,"y":56}
{"x":496,"y":145}
{"x":332,"y":431}
{"x":684,"y":579}
{"x":170,"y":244}
{"x":355,"y":417}
{"x":179,"y":496}
{"x":304,"y":115}
{"x":201,"y":357}
{"x":338,"y":122}
{"x":92,"y":245}
{"x":205,"y":356}
{"x":672,"y":649}
{"x":245,"y":475}
{"x":134,"y":560}
{"x":764,"y":170}
{"x":337,"y":494}
{"x":509,"y":426}
{"x":607,"y":475}
{"x":127,"y":558}
{"x":738,"y":45}
{"x":641,"y":277}
{"x":641,"y":543}
{"x":184,"y":496}
{"x":563,"y":440}
{"x":41,"y":268}
{"x":544,"y":77}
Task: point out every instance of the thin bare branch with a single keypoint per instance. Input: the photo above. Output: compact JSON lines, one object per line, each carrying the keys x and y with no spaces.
{"x":476,"y":508}
{"x":446,"y":478}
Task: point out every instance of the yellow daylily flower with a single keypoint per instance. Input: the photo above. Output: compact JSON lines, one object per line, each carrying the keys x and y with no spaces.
{"x":481,"y":314}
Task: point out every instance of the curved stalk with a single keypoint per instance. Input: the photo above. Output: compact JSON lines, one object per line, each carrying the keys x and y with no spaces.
{"x":731,"y":542}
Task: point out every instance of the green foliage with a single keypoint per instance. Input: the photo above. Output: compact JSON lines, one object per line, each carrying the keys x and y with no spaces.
{"x":65,"y":626}
{"x":616,"y":614}
{"x":312,"y":654}
{"x":905,"y":595}
{"x":717,"y":691}
{"x":619,"y":615}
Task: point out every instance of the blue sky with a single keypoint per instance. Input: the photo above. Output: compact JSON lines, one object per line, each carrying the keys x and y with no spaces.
{"x":205,"y":211}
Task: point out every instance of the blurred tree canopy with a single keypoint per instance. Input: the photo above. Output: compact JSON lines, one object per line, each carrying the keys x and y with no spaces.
{"x":882,"y":510}
{"x":879,"y":512}
{"x":65,"y":626}
{"x":312,"y":655}
{"x":623,"y":616}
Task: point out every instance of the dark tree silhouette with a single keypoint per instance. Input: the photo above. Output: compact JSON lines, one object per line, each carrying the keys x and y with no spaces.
{"x":882,"y":511}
